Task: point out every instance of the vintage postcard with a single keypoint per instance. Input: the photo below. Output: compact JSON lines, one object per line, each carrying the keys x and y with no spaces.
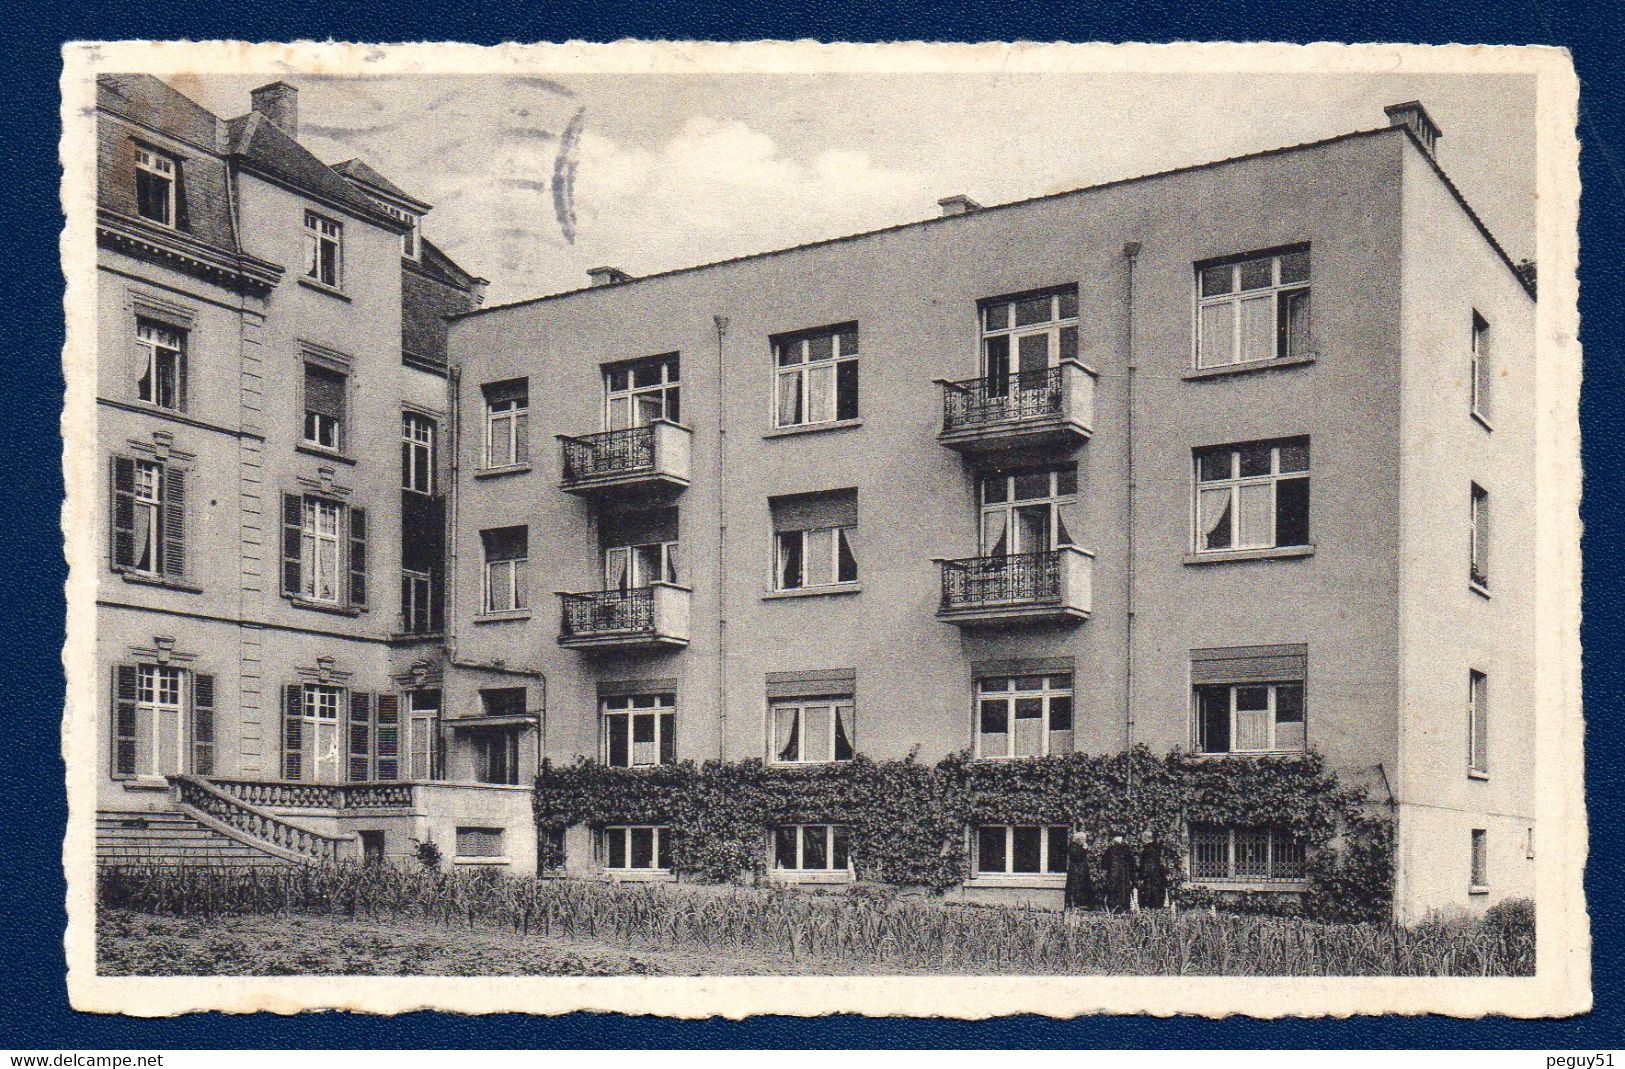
{"x":717,"y":529}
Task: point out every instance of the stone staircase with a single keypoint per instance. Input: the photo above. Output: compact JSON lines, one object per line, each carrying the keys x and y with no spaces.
{"x":172,"y":839}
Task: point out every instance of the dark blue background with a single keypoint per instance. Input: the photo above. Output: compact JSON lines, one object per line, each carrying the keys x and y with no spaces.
{"x":33,"y":1001}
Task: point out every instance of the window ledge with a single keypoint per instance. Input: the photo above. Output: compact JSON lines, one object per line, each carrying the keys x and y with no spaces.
{"x":165,"y":582}
{"x":500,"y":470}
{"x":814,"y":591}
{"x":322,"y":287}
{"x":1272,"y":553}
{"x":813,"y":428}
{"x":810,"y":876}
{"x":502,"y":616}
{"x":1482,"y":420}
{"x":1297,"y":886}
{"x":323,"y":606}
{"x":1246,"y":368}
{"x":324,"y":453}
{"x":502,"y":860}
{"x":1036,"y":880}
{"x":1473,"y":773}
{"x":1479,"y":588}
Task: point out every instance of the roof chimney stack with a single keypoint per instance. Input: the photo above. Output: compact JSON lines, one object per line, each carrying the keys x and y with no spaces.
{"x":606,"y":276}
{"x":1414,"y":116}
{"x":958,"y":204}
{"x":279,"y":103}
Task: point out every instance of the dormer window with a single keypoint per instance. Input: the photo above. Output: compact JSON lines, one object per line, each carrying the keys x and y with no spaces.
{"x":155,"y":185}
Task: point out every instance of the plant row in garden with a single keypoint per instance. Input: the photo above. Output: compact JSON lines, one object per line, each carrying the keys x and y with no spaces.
{"x":882,"y":928}
{"x":907,"y":821}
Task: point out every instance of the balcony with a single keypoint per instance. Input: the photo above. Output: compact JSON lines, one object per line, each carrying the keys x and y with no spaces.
{"x":1051,"y":587}
{"x":648,"y":617}
{"x":1048,"y":409}
{"x":652,"y":457}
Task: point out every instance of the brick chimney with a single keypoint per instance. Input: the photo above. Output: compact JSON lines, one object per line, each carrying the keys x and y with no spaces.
{"x":1413,"y":115}
{"x":958,"y":204}
{"x":606,"y":276}
{"x":279,"y":103}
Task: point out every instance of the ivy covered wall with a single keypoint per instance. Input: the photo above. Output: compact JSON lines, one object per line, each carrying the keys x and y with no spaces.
{"x":906,"y":821}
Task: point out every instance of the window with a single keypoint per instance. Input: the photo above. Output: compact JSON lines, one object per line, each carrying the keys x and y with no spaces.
{"x":1025,"y":336}
{"x":1249,"y":699}
{"x":635,"y":849}
{"x":1479,"y":862}
{"x":812,"y":730}
{"x":815,"y":539}
{"x":324,"y":407}
{"x":154,"y":732}
{"x":422,"y":734}
{"x":417,"y":453}
{"x":507,"y":431}
{"x":497,"y":757}
{"x":1025,"y":511}
{"x":816,"y":380}
{"x":155,"y":175}
{"x":503,"y":701}
{"x":811,"y":848}
{"x":505,"y":558}
{"x":638,"y":392}
{"x":1478,"y":723}
{"x":324,"y":250}
{"x":1482,"y":370}
{"x":1249,"y":854}
{"x":1479,"y":571}
{"x":1024,"y":716}
{"x":479,"y":842}
{"x":163,"y":363}
{"x":1253,"y":309}
{"x":1253,"y":496}
{"x":149,"y":518}
{"x":639,"y":730}
{"x":1006,"y":850}
{"x":1260,"y":718}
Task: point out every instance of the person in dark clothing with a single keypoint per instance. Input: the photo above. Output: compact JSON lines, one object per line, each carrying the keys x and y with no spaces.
{"x":1153,"y":876}
{"x":1119,"y":875}
{"x":1080,"y":887}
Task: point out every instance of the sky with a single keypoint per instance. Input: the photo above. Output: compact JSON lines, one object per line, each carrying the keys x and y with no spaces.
{"x":535,"y":180}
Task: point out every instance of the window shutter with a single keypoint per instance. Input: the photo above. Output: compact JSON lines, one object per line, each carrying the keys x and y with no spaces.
{"x":293,"y":750}
{"x":174,"y":522}
{"x":1250,"y":664}
{"x":360,"y":736}
{"x":123,"y":537}
{"x":293,"y":525}
{"x":389,"y":737}
{"x":806,"y":512}
{"x":124,"y":699}
{"x":203,"y":724}
{"x":358,"y":558}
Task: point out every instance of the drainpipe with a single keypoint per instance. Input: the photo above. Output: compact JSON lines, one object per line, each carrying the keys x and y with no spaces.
{"x":1131,"y":252}
{"x":721,"y":324}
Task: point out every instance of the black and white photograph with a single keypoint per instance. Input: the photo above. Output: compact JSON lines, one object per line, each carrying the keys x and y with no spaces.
{"x":805,"y":517}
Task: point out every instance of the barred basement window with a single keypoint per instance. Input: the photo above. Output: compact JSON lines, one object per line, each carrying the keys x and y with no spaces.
{"x":479,"y":842}
{"x":635,"y":849}
{"x":817,"y":376}
{"x":324,"y":250}
{"x":1006,"y":850}
{"x":163,"y":363}
{"x":1245,"y":854}
{"x":639,"y":730}
{"x":1253,"y":309}
{"x":1253,"y":496}
{"x":1024,"y":716}
{"x":155,"y":175}
{"x":811,"y":848}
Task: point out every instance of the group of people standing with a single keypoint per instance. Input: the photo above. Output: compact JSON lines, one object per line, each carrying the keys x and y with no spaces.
{"x":1129,"y":881}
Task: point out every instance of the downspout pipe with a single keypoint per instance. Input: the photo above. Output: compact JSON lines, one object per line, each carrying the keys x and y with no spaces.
{"x":720,"y":322}
{"x":1131,"y":253}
